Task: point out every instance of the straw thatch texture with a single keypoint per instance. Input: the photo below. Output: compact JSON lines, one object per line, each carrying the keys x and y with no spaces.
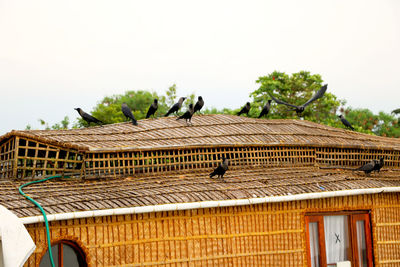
{"x":259,"y":235}
{"x":59,"y":196}
{"x":165,"y":145}
{"x":208,"y":130}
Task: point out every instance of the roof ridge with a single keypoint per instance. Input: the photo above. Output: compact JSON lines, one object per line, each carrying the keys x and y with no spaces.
{"x":214,"y":129}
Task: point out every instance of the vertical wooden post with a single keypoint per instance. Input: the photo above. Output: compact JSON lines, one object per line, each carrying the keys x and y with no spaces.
{"x":15,"y":164}
{"x":83,"y":168}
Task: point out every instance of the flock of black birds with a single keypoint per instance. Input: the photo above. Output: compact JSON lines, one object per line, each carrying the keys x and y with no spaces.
{"x":200,"y":103}
{"x":150,"y":112}
{"x":373,"y":165}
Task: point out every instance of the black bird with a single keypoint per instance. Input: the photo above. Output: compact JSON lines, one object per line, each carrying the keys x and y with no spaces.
{"x":396,"y":111}
{"x":199,"y":105}
{"x":176,"y":107}
{"x":128,"y":113}
{"x":345,"y":122}
{"x":378,"y":165}
{"x":221,"y":169}
{"x":188,"y":114}
{"x":367,"y":168}
{"x":300,"y":109}
{"x":245,"y":109}
{"x":152,"y":109}
{"x":265,"y":109}
{"x":87,"y":117}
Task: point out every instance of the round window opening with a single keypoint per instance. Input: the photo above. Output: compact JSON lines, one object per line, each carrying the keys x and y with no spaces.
{"x":65,"y":254}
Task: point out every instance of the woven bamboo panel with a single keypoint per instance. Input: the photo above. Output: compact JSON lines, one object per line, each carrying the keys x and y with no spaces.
{"x":7,"y":158}
{"x":332,"y":156}
{"x":22,"y":158}
{"x":174,"y":160}
{"x":257,"y":235}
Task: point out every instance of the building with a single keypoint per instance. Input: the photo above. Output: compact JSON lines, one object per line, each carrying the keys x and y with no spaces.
{"x":142,"y":196}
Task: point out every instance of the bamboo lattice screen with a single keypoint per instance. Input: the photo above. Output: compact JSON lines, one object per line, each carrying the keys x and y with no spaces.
{"x":26,"y":158}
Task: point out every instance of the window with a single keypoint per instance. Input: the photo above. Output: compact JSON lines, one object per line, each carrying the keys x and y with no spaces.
{"x":65,"y":254}
{"x":343,"y":237}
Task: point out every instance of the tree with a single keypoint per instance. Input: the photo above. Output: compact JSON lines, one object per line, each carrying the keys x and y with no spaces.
{"x":109,"y":109}
{"x":295,"y":89}
{"x":364,"y":120}
{"x":170,"y":95}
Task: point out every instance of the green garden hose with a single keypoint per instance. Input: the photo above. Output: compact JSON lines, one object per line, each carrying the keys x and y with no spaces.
{"x":42,"y":210}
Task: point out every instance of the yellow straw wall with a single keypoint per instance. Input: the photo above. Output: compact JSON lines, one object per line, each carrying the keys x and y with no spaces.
{"x":257,"y":235}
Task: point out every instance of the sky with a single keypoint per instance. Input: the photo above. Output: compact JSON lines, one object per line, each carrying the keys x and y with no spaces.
{"x":59,"y":55}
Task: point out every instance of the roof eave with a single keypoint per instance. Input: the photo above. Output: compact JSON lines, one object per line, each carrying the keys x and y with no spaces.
{"x":49,"y":141}
{"x":206,"y":204}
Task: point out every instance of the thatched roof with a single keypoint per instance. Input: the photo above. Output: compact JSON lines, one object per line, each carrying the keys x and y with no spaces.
{"x":207,"y":130}
{"x":68,"y":196}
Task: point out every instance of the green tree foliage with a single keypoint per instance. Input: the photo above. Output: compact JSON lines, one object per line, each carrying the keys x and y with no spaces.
{"x":170,"y":95}
{"x":64,"y":124}
{"x":109,"y":109}
{"x":295,"y":89}
{"x":364,"y":120}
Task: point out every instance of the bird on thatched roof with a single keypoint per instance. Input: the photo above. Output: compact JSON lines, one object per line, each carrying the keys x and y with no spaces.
{"x":378,"y":165}
{"x":188,"y":114}
{"x":152,"y":109}
{"x":300,"y":109}
{"x":345,"y":122}
{"x":221,"y":169}
{"x":396,"y":111}
{"x":199,"y":104}
{"x":176,"y":107}
{"x":87,"y":117}
{"x":367,"y":168}
{"x":128,"y":113}
{"x":245,"y":109}
{"x":265,"y":109}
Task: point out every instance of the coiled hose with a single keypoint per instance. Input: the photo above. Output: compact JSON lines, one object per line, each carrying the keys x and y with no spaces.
{"x":42,"y":210}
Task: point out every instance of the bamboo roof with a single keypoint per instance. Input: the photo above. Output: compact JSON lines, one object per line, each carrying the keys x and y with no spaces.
{"x":207,"y":130}
{"x":61,"y":196}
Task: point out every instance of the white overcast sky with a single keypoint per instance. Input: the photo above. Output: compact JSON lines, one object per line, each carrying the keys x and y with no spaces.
{"x":58,"y":55}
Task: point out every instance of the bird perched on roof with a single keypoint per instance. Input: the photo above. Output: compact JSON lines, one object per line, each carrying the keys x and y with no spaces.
{"x":378,"y":165}
{"x":128,"y":113}
{"x":176,"y":107}
{"x":221,"y":169}
{"x":152,"y":109}
{"x":396,"y":111}
{"x":345,"y":122}
{"x":367,"y":168}
{"x":87,"y":117}
{"x":188,"y":114}
{"x":265,"y":109}
{"x":199,"y":104}
{"x":300,"y":109}
{"x":245,"y":109}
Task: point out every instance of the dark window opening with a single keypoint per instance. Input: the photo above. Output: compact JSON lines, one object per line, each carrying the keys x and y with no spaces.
{"x":65,"y":254}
